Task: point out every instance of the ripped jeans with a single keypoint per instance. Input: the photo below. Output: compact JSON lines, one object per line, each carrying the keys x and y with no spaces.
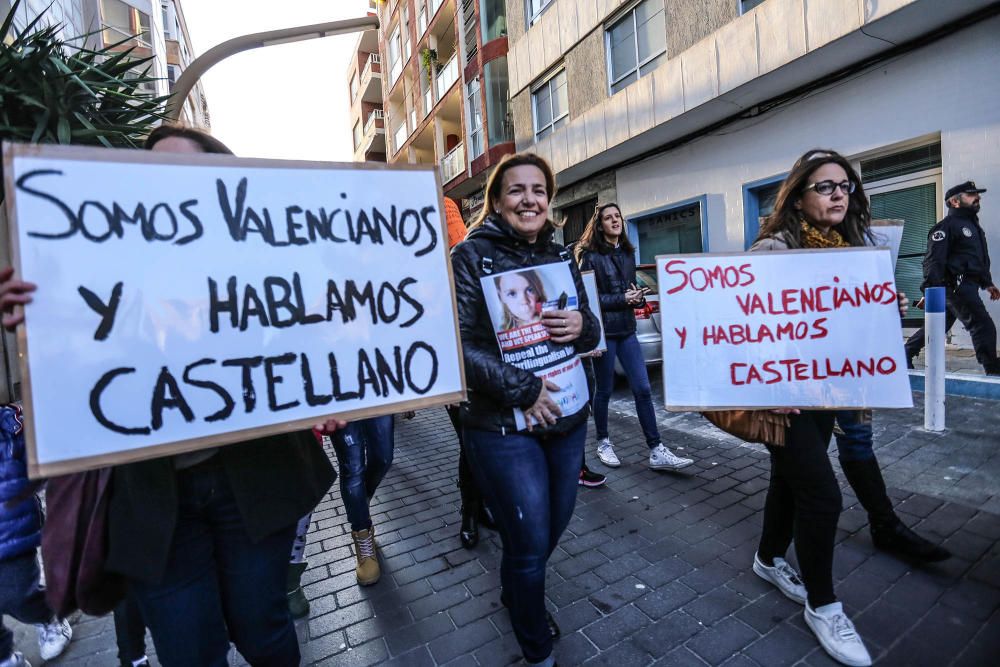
{"x":529,"y":483}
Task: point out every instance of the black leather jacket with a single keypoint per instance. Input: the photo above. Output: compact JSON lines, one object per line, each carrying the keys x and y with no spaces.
{"x":496,"y":387}
{"x":615,"y":273}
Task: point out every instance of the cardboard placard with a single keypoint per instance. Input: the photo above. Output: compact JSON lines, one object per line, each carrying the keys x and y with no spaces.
{"x":188,"y":301}
{"x":593,"y":297}
{"x":788,"y":329}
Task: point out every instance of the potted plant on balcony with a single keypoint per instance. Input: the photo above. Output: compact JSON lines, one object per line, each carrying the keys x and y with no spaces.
{"x":429,"y":59}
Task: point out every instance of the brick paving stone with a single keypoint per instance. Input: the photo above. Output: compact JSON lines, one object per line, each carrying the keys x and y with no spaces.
{"x":664,"y":579}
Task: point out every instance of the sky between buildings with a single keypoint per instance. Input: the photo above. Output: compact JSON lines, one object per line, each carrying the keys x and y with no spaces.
{"x":288,"y":101}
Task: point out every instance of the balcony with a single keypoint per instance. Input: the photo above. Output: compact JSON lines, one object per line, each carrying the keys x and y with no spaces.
{"x":374,"y":136}
{"x":399,"y":137}
{"x":453,"y":163}
{"x":373,"y":121}
{"x":447,"y":76}
{"x":371,"y":79}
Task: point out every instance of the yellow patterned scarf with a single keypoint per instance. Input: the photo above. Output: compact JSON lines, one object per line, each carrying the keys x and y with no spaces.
{"x":812,"y":238}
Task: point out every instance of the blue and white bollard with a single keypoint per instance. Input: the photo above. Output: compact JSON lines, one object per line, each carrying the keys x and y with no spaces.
{"x":934,"y":339}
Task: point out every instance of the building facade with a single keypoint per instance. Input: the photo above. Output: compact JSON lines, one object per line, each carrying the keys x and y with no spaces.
{"x":446,"y":89}
{"x":154,"y":28}
{"x":689,"y":113}
{"x":364,"y":93}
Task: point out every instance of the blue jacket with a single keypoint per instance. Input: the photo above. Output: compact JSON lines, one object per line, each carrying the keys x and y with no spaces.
{"x":20,"y":522}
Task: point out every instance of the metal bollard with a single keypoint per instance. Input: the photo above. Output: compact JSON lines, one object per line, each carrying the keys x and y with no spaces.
{"x":934,"y":338}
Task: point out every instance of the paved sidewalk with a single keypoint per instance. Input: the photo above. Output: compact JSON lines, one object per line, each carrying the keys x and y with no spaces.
{"x":655,"y":568}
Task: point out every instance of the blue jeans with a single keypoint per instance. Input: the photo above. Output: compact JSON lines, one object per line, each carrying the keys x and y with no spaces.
{"x":529,"y":484}
{"x":219,"y":585}
{"x":627,"y":350}
{"x":20,"y":597}
{"x":854,"y":437}
{"x":364,"y":454}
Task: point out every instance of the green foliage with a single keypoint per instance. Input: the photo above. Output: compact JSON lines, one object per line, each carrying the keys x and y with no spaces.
{"x":429,"y":58}
{"x":52,"y":92}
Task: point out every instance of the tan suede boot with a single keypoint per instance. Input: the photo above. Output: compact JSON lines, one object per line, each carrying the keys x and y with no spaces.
{"x":368,"y":570}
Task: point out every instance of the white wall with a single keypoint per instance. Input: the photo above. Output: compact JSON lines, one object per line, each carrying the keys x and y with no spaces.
{"x":949,"y":87}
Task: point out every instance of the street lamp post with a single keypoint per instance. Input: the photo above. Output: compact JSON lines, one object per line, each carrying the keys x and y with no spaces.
{"x":201,"y":64}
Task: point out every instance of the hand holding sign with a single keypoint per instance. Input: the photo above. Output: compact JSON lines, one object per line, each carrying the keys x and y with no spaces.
{"x":545,"y":410}
{"x":13,"y":293}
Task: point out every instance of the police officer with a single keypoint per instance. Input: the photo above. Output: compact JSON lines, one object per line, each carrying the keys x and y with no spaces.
{"x":957,"y":258}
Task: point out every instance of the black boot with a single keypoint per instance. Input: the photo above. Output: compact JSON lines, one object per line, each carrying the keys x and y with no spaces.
{"x":888,"y":532}
{"x":469,"y":534}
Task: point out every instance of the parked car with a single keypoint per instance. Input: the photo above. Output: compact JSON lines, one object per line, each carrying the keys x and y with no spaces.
{"x":647,"y":318}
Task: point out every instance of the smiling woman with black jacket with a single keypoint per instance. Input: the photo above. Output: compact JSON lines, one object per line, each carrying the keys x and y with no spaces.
{"x":604,"y":248}
{"x":528,"y":476}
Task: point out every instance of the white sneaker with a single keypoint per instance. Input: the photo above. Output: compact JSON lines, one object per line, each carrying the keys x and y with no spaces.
{"x":783,"y":576}
{"x":15,"y":660}
{"x":606,"y":452}
{"x":836,"y":634}
{"x":661,"y":458}
{"x":53,"y":638}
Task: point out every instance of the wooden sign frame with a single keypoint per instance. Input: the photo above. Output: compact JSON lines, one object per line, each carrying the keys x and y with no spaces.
{"x":10,"y":151}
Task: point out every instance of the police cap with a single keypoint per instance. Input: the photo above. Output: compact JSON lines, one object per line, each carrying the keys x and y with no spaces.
{"x":967,"y":187}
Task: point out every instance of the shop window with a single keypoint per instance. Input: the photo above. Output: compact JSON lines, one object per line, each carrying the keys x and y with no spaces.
{"x":576,"y":217}
{"x":670,"y":231}
{"x":636,"y":44}
{"x":550,"y":105}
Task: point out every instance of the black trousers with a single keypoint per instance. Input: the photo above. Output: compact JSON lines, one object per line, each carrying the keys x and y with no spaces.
{"x":130,"y":631}
{"x":965,"y":304}
{"x":803,"y":503}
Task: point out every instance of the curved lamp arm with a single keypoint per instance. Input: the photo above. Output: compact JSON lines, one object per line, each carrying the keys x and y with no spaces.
{"x":202,"y":63}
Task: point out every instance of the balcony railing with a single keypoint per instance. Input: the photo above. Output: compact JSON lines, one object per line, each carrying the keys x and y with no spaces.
{"x":428,"y":100}
{"x":376,"y":114}
{"x":373,"y":59}
{"x":447,"y":76}
{"x":395,"y":71}
{"x":453,"y":163}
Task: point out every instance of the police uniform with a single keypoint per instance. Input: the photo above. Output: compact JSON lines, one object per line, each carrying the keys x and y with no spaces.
{"x":957,"y":259}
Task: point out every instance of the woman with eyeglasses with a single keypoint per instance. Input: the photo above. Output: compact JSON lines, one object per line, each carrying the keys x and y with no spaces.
{"x":820,"y":204}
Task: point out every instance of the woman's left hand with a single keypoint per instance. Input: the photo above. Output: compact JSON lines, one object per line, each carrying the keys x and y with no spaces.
{"x":564,"y":325}
{"x":903,"y":304}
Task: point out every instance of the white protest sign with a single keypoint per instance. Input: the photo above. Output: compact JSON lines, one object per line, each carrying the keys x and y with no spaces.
{"x":803,"y":329}
{"x":190,"y":301}
{"x":593,"y":298}
{"x":516,"y":300}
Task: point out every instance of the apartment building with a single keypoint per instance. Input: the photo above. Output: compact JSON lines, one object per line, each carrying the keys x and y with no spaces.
{"x":364,"y":94}
{"x":689,"y":113}
{"x":153,"y":27}
{"x":445,"y":86}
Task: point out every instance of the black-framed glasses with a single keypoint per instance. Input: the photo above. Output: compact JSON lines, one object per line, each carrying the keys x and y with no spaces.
{"x":826,"y":188}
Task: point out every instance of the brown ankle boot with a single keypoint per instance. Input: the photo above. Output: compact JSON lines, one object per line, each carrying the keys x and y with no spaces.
{"x":364,"y":549}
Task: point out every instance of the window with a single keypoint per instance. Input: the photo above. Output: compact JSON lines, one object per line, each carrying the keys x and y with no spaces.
{"x":395,"y":62}
{"x":670,"y":231}
{"x":493,"y":17}
{"x":357,"y":135}
{"x":167,"y":32}
{"x":405,"y":22}
{"x":172,"y":74}
{"x":497,"y":105}
{"x":475,"y":105}
{"x":550,"y":103}
{"x":747,"y":5}
{"x":122,"y":21}
{"x":534,"y":9}
{"x":354,"y":86}
{"x":575,"y":219}
{"x":636,"y":44}
{"x":906,"y":185}
{"x":758,"y":203}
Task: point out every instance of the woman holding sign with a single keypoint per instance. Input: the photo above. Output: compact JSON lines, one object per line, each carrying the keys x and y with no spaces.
{"x":524,"y":424}
{"x":604,"y":248}
{"x":820,"y":204}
